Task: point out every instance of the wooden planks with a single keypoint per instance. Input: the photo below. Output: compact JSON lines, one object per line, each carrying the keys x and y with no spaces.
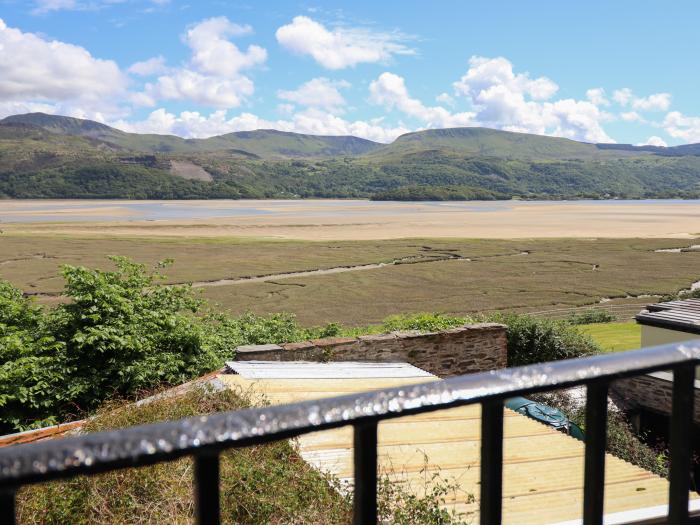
{"x":543,"y":468}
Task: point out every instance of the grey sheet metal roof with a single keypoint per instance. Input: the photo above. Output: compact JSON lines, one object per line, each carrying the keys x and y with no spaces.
{"x":683,"y":316}
{"x":315,"y":370}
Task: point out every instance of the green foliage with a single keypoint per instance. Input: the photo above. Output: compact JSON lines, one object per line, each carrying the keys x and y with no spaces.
{"x":424,"y":322}
{"x":590,"y":316}
{"x":438,"y":193}
{"x":121,"y":332}
{"x":535,"y":340}
{"x":29,"y":356}
{"x":400,"y":505}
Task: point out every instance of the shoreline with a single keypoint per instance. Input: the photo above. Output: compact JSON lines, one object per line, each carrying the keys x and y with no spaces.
{"x":330,"y":219}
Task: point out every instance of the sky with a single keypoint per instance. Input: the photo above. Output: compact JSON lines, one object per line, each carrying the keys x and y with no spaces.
{"x":599,"y":71}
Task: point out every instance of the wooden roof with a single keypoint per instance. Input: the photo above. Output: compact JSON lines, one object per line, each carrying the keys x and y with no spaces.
{"x":543,"y":468}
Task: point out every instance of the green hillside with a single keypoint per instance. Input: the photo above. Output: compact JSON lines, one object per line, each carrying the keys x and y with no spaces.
{"x":61,"y":157}
{"x":486,"y":142}
{"x":259,"y":143}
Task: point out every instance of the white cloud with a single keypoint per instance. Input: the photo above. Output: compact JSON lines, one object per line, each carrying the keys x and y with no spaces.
{"x":340,"y":47}
{"x":654,"y":141}
{"x":680,"y":126}
{"x":631,"y":116}
{"x":213,"y":75}
{"x":654,"y":102}
{"x":46,"y":6}
{"x":487,"y":73}
{"x":515,"y":102}
{"x":389,"y":90}
{"x":147,"y":68}
{"x":34,"y":70}
{"x":42,"y":7}
{"x":622,"y":96}
{"x":445,"y":98}
{"x":286,"y":109}
{"x":207,"y":90}
{"x":312,"y":121}
{"x":213,"y":53}
{"x":597,"y":97}
{"x":10,"y":107}
{"x":318,"y":92}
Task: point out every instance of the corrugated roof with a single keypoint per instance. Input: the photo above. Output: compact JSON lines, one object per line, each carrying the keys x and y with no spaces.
{"x":675,"y":315}
{"x":316,"y":370}
{"x":543,"y":468}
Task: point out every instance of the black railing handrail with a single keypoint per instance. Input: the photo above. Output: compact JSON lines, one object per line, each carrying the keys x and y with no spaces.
{"x":205,"y":436}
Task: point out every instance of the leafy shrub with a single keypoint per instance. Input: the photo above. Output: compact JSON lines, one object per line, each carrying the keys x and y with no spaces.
{"x":30,"y":379}
{"x":121,"y":332}
{"x":535,"y":340}
{"x":423,"y":322}
{"x":590,"y":316}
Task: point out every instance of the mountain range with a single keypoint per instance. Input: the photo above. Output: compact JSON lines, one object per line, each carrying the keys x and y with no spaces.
{"x":51,"y":156}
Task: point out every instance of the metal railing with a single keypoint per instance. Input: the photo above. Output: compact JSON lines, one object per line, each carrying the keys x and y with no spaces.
{"x":206,"y":437}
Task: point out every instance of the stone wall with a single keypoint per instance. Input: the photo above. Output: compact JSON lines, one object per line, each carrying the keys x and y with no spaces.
{"x":463,"y":350}
{"x":652,"y":391}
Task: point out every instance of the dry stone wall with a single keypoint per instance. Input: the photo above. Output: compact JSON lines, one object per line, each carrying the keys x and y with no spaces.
{"x":467,"y":349}
{"x":654,"y":393}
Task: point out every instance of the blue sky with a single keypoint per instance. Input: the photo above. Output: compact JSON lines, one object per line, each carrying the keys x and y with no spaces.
{"x":601,"y":71}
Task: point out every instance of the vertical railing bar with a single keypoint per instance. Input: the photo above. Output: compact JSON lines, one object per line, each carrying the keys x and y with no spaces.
{"x":7,"y":507}
{"x":596,"y":439}
{"x":365,"y":457}
{"x":491,"y":463}
{"x":206,"y":488}
{"x":680,"y":447}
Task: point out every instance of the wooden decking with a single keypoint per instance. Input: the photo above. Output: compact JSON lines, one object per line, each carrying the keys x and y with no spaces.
{"x":543,"y":468}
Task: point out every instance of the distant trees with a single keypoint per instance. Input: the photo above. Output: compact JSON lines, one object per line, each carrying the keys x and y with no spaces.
{"x":424,"y":175}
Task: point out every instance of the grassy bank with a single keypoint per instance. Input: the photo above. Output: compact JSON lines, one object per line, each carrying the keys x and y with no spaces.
{"x":615,"y":337}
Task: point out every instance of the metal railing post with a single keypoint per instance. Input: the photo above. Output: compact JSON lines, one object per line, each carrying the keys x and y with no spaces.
{"x":681,"y":432}
{"x":491,"y":499}
{"x":206,"y":488}
{"x":365,"y":455}
{"x":7,"y":507}
{"x":596,"y":438}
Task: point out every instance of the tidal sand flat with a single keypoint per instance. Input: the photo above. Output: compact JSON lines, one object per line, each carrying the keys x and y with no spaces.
{"x":357,"y":219}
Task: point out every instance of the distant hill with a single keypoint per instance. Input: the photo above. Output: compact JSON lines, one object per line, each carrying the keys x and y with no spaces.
{"x":62,"y":157}
{"x":260,"y":143}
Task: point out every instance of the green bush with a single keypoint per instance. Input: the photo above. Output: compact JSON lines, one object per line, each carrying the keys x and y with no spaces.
{"x":535,"y":340}
{"x":120,"y":332}
{"x":423,"y":322}
{"x":590,"y":316}
{"x":31,"y":381}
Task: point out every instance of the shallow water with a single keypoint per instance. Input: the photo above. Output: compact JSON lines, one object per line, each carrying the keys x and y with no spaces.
{"x":31,"y":211}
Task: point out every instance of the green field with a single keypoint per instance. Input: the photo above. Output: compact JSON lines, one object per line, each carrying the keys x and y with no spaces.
{"x":450,"y":276}
{"x":615,"y":337}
